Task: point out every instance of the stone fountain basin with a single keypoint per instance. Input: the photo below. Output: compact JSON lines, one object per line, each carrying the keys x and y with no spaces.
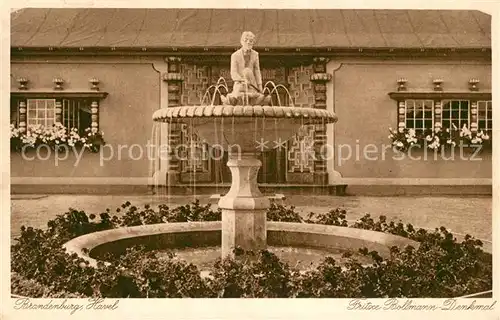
{"x":244,"y":128}
{"x":208,"y":234}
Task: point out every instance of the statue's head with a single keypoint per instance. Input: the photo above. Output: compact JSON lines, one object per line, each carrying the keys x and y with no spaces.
{"x":247,"y":40}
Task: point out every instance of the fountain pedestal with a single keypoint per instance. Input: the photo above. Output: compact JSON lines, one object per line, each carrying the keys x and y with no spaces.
{"x":243,"y":207}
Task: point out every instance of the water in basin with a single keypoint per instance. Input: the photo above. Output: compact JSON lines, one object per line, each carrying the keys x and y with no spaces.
{"x":300,"y":258}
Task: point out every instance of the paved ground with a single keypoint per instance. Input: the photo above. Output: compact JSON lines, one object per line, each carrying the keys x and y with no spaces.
{"x":472,"y":215}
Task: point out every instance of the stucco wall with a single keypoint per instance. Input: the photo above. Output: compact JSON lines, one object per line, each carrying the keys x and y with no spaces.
{"x":360,"y":99}
{"x":124,"y":117}
{"x":365,"y":112}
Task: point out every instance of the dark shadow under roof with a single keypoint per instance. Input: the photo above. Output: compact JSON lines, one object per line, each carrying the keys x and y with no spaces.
{"x":183,"y":28}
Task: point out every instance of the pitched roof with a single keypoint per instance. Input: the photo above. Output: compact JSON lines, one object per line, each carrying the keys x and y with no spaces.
{"x":188,"y":28}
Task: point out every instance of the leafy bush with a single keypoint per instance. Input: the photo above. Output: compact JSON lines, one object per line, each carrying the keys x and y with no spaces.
{"x":141,"y":274}
{"x":278,"y":212}
{"x":335,"y":217}
{"x":30,"y":288}
{"x":440,"y":267}
{"x":252,"y":275}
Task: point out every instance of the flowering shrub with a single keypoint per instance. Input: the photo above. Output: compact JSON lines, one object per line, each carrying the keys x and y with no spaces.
{"x":54,"y":137}
{"x":441,"y":267}
{"x":404,"y":138}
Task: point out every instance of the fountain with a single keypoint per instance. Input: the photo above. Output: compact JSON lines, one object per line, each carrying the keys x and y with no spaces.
{"x":252,"y":124}
{"x":242,"y":125}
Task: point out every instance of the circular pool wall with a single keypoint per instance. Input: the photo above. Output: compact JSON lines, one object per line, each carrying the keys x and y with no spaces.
{"x":208,"y":234}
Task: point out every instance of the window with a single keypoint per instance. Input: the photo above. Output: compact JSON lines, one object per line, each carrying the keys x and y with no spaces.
{"x":41,"y":111}
{"x":455,"y":112}
{"x":76,"y":109}
{"x":14,"y":112}
{"x":484,"y":116}
{"x":424,"y":110}
{"x":75,"y":113}
{"x":419,"y":114}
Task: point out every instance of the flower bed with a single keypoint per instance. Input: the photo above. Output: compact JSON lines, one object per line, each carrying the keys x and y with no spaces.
{"x":440,"y":267}
{"x":56,"y":136}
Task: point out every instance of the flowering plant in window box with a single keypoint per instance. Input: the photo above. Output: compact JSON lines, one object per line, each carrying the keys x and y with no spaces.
{"x":16,"y":142}
{"x":437,"y":138}
{"x":403,"y":138}
{"x":477,"y":138}
{"x":93,"y":139}
{"x":55,"y":137}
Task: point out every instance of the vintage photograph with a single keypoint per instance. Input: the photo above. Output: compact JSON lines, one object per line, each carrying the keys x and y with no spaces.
{"x":251,"y":153}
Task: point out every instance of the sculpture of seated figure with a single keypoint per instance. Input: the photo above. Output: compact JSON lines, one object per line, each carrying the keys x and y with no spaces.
{"x":245,"y":72}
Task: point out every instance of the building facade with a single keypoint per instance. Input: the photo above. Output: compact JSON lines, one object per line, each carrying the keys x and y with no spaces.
{"x":110,"y":69}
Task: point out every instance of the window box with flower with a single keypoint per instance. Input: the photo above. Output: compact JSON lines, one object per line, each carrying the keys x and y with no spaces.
{"x":56,"y":119}
{"x":55,"y":137}
{"x":440,"y":120}
{"x":403,"y":138}
{"x":438,"y":139}
{"x":475,"y":139}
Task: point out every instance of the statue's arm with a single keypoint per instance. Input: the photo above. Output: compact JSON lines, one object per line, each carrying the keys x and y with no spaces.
{"x":258,"y":75}
{"x":235,"y":72}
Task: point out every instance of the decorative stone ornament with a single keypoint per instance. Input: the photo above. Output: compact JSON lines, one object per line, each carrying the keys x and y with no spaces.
{"x":438,"y":84}
{"x":473,"y":116}
{"x":319,"y":64}
{"x":94,"y":107}
{"x":58,"y":82}
{"x":401,"y":112}
{"x":173,"y":76}
{"x":58,"y":111}
{"x":22,"y":116}
{"x":174,"y":79}
{"x":321,"y":77}
{"x":473,"y":84}
{"x":23,"y":83}
{"x":308,"y":115}
{"x":402,"y":84}
{"x":95,"y":83}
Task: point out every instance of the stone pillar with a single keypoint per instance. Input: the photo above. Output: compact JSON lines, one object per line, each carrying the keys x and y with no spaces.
{"x":473,"y":117}
{"x":243,"y":207}
{"x":401,"y":115}
{"x":170,"y":133}
{"x":438,"y":114}
{"x":22,"y":116}
{"x":174,"y":79}
{"x":334,"y":176}
{"x":320,"y":78}
{"x":58,"y":112}
{"x":94,"y":109}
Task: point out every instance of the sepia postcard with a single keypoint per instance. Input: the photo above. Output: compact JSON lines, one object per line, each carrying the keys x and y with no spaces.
{"x":250,"y":160}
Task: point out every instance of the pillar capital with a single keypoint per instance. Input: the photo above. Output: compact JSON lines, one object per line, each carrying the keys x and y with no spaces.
{"x":321,"y":60}
{"x":174,"y":64}
{"x":173,"y":59}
